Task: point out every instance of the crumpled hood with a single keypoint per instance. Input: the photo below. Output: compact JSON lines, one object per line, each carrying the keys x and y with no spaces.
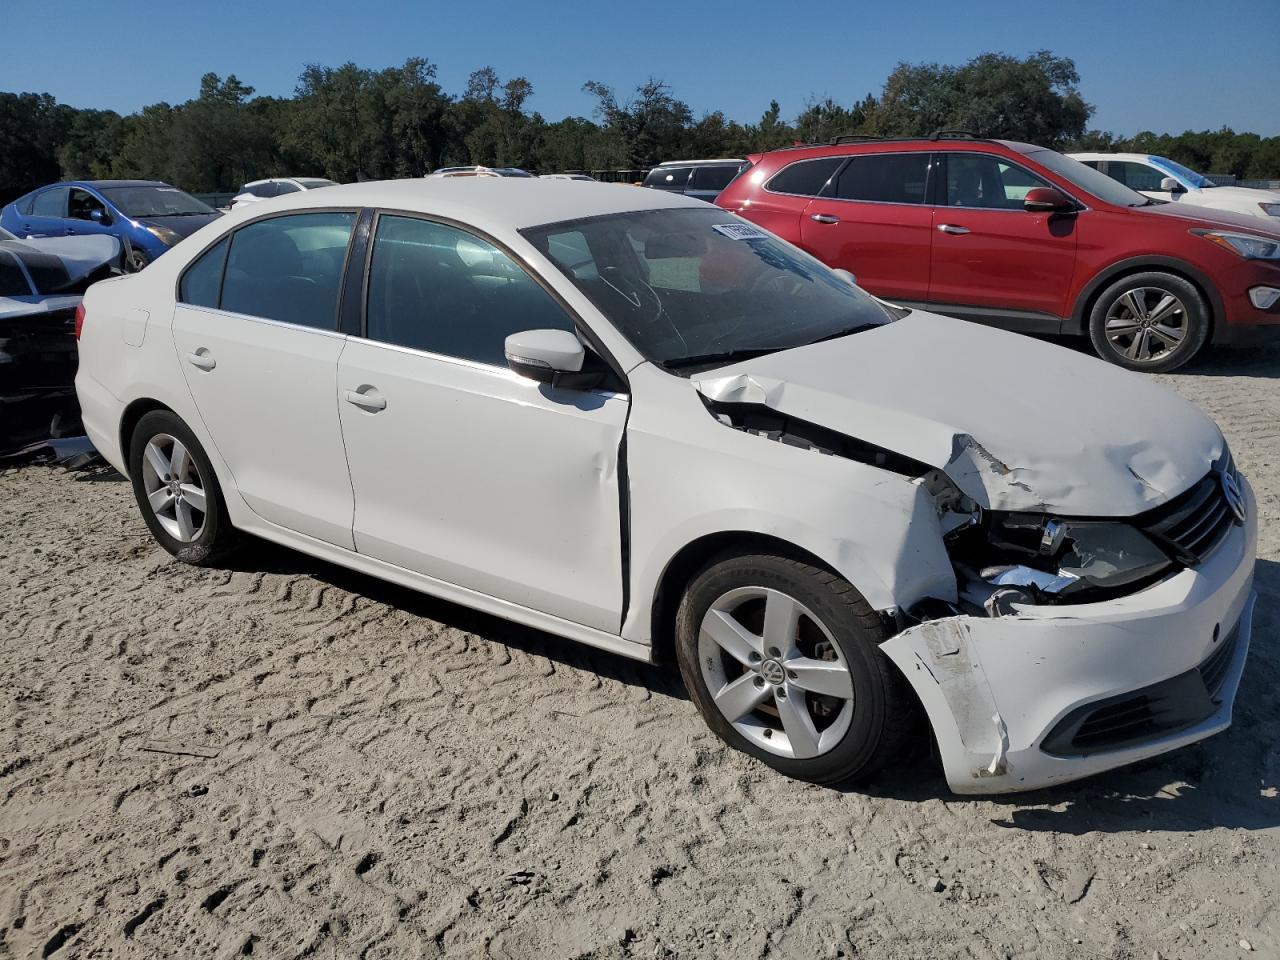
{"x":1016,"y":423}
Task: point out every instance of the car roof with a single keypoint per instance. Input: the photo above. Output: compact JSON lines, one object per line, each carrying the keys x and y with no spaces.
{"x":1096,"y":155}
{"x":698,"y":163}
{"x":844,"y":147}
{"x":493,"y":204}
{"x":103,"y":184}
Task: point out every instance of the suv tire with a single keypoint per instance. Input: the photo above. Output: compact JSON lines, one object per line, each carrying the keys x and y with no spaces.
{"x":1153,"y":321}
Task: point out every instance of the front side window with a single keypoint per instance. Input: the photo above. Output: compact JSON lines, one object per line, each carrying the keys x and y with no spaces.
{"x":713,"y":177}
{"x":696,"y":288}
{"x":442,"y":290}
{"x":1136,"y":176}
{"x":885,"y":178}
{"x":284,"y":186}
{"x":51,"y":203}
{"x":289,"y":268}
{"x":202,"y":283}
{"x":805,"y":178}
{"x":83,"y":204}
{"x":986,"y":182}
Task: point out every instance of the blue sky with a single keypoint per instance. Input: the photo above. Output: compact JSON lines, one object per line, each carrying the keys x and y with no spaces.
{"x":1161,"y":66}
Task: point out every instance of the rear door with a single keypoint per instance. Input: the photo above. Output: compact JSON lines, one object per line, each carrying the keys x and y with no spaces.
{"x":779,"y":203}
{"x":463,"y":470}
{"x":48,"y":217}
{"x":1143,"y":177}
{"x":874,"y":220}
{"x":257,"y":338}
{"x":992,"y":260}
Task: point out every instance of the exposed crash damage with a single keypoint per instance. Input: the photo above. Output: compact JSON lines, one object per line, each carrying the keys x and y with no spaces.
{"x":1088,"y":561}
{"x":41,"y":284}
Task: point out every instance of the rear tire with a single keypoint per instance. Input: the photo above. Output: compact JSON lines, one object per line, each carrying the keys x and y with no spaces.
{"x":1153,"y":322}
{"x":815,"y":697}
{"x":178,"y":492}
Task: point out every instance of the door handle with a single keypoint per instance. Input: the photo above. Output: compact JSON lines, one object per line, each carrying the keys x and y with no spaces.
{"x":952,"y":229}
{"x":371,"y":402}
{"x":823,"y":218}
{"x":202,"y":360}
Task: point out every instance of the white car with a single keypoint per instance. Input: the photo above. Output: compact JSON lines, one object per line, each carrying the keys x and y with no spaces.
{"x":477,"y":171}
{"x":640,"y":422}
{"x":276,"y":187}
{"x":1164,"y":179}
{"x":568,"y":176}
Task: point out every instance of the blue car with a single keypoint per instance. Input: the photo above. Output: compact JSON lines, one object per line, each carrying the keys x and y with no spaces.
{"x":149,"y":215}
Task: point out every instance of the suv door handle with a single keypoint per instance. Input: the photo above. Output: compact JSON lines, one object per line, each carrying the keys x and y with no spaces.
{"x":823,"y":218}
{"x":371,"y":401}
{"x":202,"y":360}
{"x":952,"y":229}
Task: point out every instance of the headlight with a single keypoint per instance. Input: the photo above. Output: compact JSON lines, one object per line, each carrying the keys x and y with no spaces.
{"x":1030,"y":559}
{"x":1270,"y":209}
{"x":164,"y":235}
{"x":1243,"y":244}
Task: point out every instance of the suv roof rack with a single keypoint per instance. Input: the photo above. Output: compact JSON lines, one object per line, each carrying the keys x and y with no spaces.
{"x":850,"y":138}
{"x":868,"y":138}
{"x":954,"y":135}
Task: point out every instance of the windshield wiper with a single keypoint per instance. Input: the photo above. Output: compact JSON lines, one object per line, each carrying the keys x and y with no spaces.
{"x":723,"y":357}
{"x":847,"y":331}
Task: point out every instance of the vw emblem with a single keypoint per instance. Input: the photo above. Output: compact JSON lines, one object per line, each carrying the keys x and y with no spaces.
{"x":772,"y":671}
{"x":1231,"y":490}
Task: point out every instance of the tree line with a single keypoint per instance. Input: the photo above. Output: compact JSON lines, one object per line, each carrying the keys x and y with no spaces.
{"x":349,"y":123}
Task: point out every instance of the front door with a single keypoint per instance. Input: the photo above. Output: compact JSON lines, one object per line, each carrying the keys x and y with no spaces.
{"x":259,"y":346}
{"x":992,"y":259}
{"x":462,"y":470}
{"x":874,"y":221}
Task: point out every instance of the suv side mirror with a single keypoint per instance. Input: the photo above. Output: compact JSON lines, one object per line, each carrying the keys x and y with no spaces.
{"x":1170,"y":185}
{"x":1047,"y":200}
{"x":554,"y":357}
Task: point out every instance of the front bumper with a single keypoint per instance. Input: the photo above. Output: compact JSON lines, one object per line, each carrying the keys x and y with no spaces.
{"x":996,"y":689}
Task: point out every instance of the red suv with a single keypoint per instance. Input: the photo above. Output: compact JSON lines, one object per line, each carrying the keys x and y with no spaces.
{"x":1021,"y":237}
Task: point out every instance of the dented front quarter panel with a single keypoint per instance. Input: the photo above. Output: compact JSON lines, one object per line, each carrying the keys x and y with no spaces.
{"x":1015,"y":423}
{"x":993,"y":688}
{"x":690,"y":476}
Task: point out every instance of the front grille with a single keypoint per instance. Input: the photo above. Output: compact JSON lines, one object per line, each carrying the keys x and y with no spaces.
{"x":1140,"y":715}
{"x":1195,"y":523}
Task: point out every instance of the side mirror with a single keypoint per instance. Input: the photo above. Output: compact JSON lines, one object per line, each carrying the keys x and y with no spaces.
{"x":553,"y":357}
{"x":1047,"y":200}
{"x":845,"y":275}
{"x":100,"y":216}
{"x":1170,"y":185}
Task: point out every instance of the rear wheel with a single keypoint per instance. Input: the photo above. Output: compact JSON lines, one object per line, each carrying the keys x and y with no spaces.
{"x":1149,"y":321}
{"x":783,"y":660}
{"x":177,"y":490}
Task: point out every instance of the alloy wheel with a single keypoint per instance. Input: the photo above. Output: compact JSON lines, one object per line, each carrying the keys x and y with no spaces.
{"x":174,"y":487}
{"x":1146,"y":324}
{"x":775,"y":672}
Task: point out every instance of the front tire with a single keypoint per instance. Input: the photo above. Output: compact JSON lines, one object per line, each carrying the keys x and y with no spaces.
{"x":177,"y":491}
{"x":782,"y":658}
{"x":1152,"y":322}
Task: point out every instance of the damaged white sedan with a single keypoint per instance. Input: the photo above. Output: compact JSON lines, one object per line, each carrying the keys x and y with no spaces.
{"x":639,"y":422}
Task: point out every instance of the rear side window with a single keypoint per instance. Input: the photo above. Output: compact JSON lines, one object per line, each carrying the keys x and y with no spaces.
{"x":50,"y":203}
{"x":440,"y":289}
{"x":202,"y":282}
{"x":714,"y":177}
{"x":885,"y":178}
{"x":805,"y":178}
{"x":668,"y":178}
{"x":1136,"y":176}
{"x":289,"y":268}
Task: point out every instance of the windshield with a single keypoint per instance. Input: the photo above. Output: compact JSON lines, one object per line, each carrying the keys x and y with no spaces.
{"x":1087,"y":178}
{"x":155,"y":202}
{"x":700,"y":287}
{"x":1186,"y":174}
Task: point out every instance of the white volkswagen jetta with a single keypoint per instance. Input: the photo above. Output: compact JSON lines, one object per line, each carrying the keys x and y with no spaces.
{"x":636,"y":421}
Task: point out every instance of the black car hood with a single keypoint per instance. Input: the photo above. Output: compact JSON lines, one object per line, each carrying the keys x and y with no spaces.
{"x":182,"y":226}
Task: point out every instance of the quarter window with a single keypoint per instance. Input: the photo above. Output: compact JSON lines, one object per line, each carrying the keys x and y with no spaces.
{"x":289,"y":268}
{"x":805,"y":178}
{"x":982,"y":181}
{"x":885,"y":178}
{"x":439,"y":289}
{"x":202,"y":282}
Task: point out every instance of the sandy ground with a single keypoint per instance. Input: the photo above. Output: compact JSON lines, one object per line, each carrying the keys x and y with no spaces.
{"x":370,"y":772}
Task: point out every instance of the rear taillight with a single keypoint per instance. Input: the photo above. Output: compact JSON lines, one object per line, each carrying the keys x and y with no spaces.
{"x":79,"y":318}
